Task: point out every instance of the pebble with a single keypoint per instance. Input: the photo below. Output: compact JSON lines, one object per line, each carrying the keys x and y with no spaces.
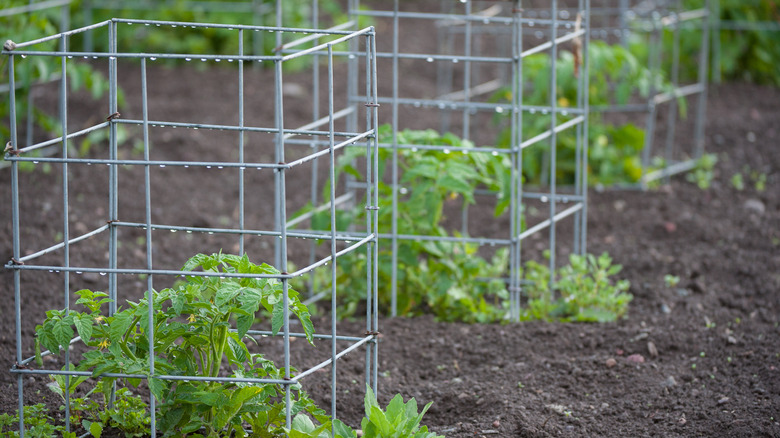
{"x":665,"y":309}
{"x":755,"y":206}
{"x":636,"y":358}
{"x":669,"y":382}
{"x":652,"y":349}
{"x":723,"y":400}
{"x":496,"y":424}
{"x":611,"y":362}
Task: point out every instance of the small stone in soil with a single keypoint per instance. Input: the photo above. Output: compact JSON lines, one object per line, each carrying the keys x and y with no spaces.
{"x":723,"y":400}
{"x":651,"y":348}
{"x":669,"y":382}
{"x":636,"y":358}
{"x":611,"y":362}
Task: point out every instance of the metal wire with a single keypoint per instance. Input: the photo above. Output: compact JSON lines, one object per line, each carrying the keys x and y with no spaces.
{"x":339,"y":140}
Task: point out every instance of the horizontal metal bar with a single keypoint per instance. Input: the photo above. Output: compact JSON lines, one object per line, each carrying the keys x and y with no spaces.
{"x":573,"y":122}
{"x":478,"y":90}
{"x":432,"y":57}
{"x":62,"y":244}
{"x":327,"y":151}
{"x":59,"y":139}
{"x":669,"y":170}
{"x":477,"y":106}
{"x":313,"y":37}
{"x":340,"y":200}
{"x":549,"y":44}
{"x":34,"y":7}
{"x":233,"y":26}
{"x":267,"y":333}
{"x":163,"y":124}
{"x":54,"y":37}
{"x":547,"y":222}
{"x":294,"y":234}
{"x":138,"y":55}
{"x":679,"y":92}
{"x":433,"y":16}
{"x":492,"y":11}
{"x":161,"y":163}
{"x":336,"y":116}
{"x":130,"y":271}
{"x":476,"y":240}
{"x":327,"y":259}
{"x":365,"y":31}
{"x":558,"y":197}
{"x":682,"y":17}
{"x":329,"y":361}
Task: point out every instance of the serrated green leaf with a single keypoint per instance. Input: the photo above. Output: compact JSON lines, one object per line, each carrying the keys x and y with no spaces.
{"x":119,"y":325}
{"x":277,"y":318}
{"x":84,"y":327}
{"x":62,"y":332}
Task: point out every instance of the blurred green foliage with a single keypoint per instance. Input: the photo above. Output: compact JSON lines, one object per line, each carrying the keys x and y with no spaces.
{"x":616,"y":75}
{"x":752,"y":54}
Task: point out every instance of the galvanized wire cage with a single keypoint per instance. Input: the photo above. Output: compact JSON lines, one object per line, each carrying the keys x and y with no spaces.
{"x":260,"y":144}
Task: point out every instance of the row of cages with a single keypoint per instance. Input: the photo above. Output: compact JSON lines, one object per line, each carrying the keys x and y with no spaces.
{"x":464,"y":128}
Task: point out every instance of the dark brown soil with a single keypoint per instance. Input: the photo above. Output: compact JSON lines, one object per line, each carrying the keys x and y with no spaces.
{"x":717,"y":333}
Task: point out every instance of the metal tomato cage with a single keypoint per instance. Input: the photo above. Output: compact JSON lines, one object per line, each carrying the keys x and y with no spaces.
{"x":259,"y":145}
{"x":674,"y":136}
{"x":489,"y":54}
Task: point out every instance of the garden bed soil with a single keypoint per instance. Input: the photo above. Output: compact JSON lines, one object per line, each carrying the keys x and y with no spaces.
{"x":701,"y":358}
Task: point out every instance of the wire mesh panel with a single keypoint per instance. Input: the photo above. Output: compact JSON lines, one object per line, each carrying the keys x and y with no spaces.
{"x":475,"y":134}
{"x":122,"y":252}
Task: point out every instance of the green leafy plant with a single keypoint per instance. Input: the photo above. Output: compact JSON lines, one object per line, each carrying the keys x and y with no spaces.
{"x":192,"y":327}
{"x":671,"y":280}
{"x":616,"y":75}
{"x":399,"y":419}
{"x":583,"y":291}
{"x":703,"y":172}
{"x":37,"y":422}
{"x":440,"y":277}
{"x":751,"y":53}
{"x":738,"y":180}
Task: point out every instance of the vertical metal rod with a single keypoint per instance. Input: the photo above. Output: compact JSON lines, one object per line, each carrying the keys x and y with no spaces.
{"x":16,"y":244}
{"x":654,"y":59}
{"x":333,"y":289}
{"x":553,"y":136}
{"x":282,"y":244}
{"x":65,"y":212}
{"x":278,"y":224}
{"x":585,"y":105}
{"x":701,"y":106}
{"x":623,"y":22}
{"x":113,"y":195}
{"x":315,"y":114}
{"x":466,"y":110}
{"x":88,"y":42}
{"x":149,"y":248}
{"x":467,"y":75}
{"x":241,"y":134}
{"x":375,"y":211}
{"x":671,"y":117}
{"x":394,"y":221}
{"x":370,"y":248}
{"x":714,"y":21}
{"x":515,"y":201}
